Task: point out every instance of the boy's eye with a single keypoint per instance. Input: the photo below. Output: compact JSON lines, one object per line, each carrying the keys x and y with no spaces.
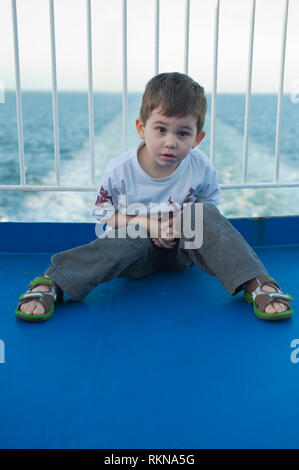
{"x":183,"y":133}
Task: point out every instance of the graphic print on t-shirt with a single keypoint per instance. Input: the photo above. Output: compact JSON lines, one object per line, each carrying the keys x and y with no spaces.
{"x":103,"y":197}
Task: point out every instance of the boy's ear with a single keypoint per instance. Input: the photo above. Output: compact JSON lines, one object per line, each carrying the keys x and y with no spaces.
{"x":140,"y":127}
{"x":198,"y":138}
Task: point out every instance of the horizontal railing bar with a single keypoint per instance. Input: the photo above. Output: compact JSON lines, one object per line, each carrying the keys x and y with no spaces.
{"x":36,"y":187}
{"x":259,"y":185}
{"x":47,"y":188}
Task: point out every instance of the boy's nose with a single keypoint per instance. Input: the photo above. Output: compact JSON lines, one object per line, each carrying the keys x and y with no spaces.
{"x":170,"y":141}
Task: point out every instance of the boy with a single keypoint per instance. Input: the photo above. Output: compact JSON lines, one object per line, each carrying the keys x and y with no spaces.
{"x":165,"y":171}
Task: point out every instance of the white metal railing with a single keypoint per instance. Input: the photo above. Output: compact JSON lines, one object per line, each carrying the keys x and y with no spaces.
{"x":282,"y":64}
{"x":92,"y":187}
{"x":125,"y":75}
{"x":18,"y":94}
{"x":214,"y":88}
{"x":157,"y":31}
{"x":54,"y":93}
{"x":90,"y":96}
{"x":187,"y":28}
{"x":248,"y":94}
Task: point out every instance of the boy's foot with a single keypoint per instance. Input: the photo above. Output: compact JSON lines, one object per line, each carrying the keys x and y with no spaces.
{"x":35,"y":307}
{"x":267,"y":297}
{"x":275,"y":306}
{"x":39,"y":306}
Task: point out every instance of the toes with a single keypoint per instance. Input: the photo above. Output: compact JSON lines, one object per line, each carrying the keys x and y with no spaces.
{"x":276,"y":307}
{"x":38,"y":310}
{"x":270,"y":309}
{"x":280,"y":307}
{"x":32,"y":308}
{"x":26,"y":307}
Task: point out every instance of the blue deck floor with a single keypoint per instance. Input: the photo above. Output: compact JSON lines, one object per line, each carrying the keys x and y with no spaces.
{"x":168,"y":361}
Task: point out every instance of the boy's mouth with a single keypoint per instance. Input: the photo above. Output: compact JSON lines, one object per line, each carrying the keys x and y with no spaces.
{"x":168,"y":156}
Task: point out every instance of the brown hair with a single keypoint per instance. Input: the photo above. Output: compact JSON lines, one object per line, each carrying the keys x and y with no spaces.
{"x":177,"y":94}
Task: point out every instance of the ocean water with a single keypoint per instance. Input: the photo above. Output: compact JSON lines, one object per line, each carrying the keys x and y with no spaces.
{"x":61,"y":206}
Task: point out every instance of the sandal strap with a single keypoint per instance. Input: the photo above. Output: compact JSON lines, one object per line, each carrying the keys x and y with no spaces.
{"x":262,"y":300}
{"x":30,"y":294}
{"x":259,"y":291}
{"x":44,"y":281}
{"x":41,"y":281}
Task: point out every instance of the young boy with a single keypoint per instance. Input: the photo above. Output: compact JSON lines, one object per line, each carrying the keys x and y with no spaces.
{"x":164,"y":172}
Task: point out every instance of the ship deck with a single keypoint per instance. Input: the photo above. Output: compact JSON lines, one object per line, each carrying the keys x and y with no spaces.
{"x":168,"y":361}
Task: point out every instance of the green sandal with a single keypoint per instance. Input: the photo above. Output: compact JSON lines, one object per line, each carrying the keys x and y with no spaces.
{"x":55,"y":295}
{"x":260,"y":299}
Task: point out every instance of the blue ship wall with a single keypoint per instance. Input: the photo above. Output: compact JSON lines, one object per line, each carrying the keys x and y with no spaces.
{"x":52,"y":236}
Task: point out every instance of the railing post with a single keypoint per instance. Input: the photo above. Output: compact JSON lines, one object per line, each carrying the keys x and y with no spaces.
{"x":125,"y":85}
{"x":90,"y":95}
{"x":280,"y":93}
{"x":214,"y":89}
{"x":18,"y":93}
{"x":187,"y":28}
{"x":157,"y":31}
{"x":54,"y":93}
{"x":248,"y":93}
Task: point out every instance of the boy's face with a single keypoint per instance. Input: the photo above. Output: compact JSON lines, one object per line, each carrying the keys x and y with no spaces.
{"x":168,"y":140}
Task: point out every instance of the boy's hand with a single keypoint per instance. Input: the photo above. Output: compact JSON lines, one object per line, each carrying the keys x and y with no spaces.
{"x":164,"y":242}
{"x":169,"y":229}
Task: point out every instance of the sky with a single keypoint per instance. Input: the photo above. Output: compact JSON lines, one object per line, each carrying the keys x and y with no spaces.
{"x":71,"y":44}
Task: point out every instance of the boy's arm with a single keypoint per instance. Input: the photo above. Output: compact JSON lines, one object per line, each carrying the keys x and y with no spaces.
{"x":121,"y":220}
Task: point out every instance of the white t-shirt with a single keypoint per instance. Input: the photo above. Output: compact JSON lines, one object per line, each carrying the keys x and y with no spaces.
{"x":124,"y":185}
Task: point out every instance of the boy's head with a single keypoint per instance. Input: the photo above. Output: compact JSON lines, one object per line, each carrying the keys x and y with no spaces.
{"x":176,"y":94}
{"x":171,"y":120}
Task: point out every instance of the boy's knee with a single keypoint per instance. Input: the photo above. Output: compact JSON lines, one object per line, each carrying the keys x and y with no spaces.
{"x":199,"y":209}
{"x":203,"y":223}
